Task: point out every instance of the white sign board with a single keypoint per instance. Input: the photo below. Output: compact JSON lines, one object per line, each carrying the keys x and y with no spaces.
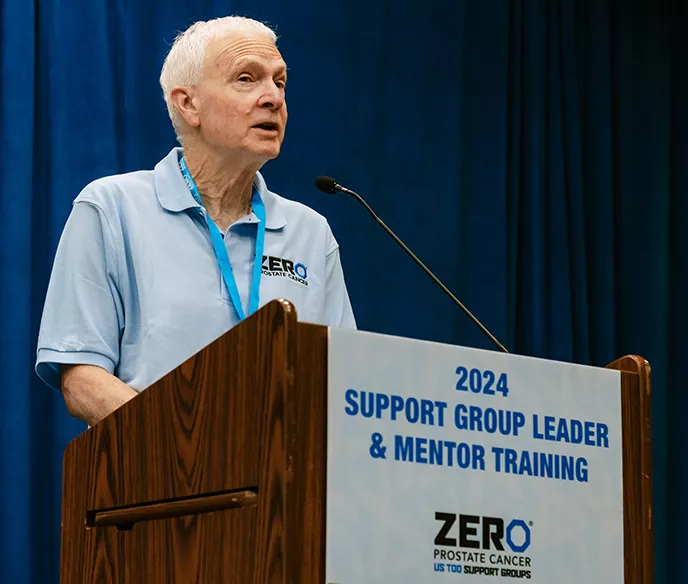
{"x":448,"y":464}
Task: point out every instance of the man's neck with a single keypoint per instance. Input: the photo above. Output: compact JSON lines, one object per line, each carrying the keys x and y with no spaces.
{"x":225,"y":185}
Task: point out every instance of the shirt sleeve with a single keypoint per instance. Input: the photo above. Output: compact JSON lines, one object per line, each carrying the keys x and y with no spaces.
{"x":82,"y":316}
{"x":337,"y":304}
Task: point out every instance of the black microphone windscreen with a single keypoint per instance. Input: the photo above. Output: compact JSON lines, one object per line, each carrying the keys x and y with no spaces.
{"x":325,"y":184}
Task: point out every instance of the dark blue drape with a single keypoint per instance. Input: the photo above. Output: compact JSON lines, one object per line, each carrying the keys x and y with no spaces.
{"x":532,"y":152}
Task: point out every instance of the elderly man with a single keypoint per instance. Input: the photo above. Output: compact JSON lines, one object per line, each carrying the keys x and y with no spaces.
{"x":154,"y":265}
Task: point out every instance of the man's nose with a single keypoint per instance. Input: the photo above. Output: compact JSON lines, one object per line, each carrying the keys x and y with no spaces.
{"x":273,"y":97}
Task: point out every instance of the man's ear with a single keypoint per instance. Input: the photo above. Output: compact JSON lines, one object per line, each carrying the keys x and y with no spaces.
{"x":185,"y":100}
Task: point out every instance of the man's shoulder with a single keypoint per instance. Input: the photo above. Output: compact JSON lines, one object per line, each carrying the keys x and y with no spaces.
{"x":306,"y":224}
{"x":114,"y":189}
{"x":294,"y":211}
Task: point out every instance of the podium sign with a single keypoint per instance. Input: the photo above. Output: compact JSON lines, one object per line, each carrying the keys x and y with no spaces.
{"x":455,"y":464}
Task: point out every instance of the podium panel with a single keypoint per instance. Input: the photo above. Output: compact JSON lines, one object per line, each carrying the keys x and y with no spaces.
{"x":449,"y":461}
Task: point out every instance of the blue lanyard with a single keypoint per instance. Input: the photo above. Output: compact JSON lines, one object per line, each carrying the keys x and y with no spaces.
{"x":221,"y":250}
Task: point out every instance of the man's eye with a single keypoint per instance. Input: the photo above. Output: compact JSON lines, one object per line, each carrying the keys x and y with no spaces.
{"x":281,"y":84}
{"x":245,"y":78}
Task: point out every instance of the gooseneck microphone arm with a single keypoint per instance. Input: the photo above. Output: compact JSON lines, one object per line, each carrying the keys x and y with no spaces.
{"x":329,"y":185}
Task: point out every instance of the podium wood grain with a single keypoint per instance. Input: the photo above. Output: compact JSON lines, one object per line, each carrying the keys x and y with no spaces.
{"x":636,"y":420}
{"x":189,"y":445}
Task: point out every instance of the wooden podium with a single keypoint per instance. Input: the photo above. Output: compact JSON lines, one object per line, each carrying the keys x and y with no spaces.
{"x":217,"y":472}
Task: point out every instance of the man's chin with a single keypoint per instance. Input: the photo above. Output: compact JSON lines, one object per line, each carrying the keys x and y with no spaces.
{"x":267,"y":153}
{"x":254,"y":153}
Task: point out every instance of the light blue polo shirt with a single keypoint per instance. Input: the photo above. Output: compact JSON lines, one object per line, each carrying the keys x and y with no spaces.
{"x":136,"y":288}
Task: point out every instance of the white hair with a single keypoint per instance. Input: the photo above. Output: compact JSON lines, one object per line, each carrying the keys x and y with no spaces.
{"x":185,"y":61}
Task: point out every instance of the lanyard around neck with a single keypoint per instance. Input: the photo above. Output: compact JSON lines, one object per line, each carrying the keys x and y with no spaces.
{"x":221,"y":249}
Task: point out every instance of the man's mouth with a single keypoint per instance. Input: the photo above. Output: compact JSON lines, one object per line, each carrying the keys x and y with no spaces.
{"x":267,"y":126}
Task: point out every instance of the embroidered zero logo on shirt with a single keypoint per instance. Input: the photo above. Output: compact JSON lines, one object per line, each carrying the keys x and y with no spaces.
{"x":274,"y":266}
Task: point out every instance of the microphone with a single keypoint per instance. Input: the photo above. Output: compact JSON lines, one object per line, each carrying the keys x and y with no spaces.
{"x":327,"y":184}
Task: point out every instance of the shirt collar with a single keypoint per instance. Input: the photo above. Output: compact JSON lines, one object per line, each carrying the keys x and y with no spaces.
{"x":174,"y":196}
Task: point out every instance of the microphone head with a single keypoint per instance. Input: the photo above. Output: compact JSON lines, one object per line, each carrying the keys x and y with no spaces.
{"x":326,"y":184}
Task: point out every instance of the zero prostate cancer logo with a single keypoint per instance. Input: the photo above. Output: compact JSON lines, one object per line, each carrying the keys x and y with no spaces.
{"x":282,"y":267}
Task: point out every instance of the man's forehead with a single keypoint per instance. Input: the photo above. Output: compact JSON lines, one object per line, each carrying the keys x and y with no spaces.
{"x":230,"y":50}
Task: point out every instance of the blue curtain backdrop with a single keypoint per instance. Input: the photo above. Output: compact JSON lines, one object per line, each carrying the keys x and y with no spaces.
{"x":532,"y":152}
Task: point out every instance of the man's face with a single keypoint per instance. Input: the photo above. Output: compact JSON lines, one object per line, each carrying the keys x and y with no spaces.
{"x":242,"y":108}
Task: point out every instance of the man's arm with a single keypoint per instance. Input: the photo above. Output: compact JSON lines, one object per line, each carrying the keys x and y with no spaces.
{"x":83,"y":317}
{"x":91,"y":393}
